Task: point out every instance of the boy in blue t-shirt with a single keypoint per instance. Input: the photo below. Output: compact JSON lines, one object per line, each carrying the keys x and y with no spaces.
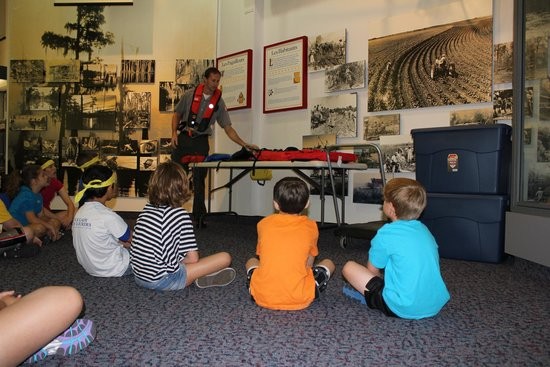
{"x":412,"y":286}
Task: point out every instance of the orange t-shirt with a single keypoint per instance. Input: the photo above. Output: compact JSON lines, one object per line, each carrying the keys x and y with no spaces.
{"x":283,"y":281}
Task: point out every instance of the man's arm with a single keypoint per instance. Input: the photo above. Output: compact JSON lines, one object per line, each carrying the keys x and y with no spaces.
{"x":176,"y":118}
{"x":232,"y":134}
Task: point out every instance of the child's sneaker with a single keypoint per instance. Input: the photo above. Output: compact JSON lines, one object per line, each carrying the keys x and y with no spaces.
{"x":77,"y":337}
{"x":218,"y":279}
{"x":355,"y":295}
{"x":322,"y":276}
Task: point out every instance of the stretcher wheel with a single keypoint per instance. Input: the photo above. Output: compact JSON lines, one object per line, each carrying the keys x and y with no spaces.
{"x":344,"y":241}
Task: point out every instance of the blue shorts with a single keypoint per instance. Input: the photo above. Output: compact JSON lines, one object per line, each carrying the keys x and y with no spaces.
{"x":171,"y":282}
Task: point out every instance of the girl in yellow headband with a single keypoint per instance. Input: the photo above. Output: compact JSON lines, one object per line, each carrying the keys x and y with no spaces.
{"x":101,"y":237}
{"x":56,"y":187}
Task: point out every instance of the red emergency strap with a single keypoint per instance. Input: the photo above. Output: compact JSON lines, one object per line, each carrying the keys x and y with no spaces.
{"x":197,"y":102}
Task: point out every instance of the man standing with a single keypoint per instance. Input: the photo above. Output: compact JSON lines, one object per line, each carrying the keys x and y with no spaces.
{"x":192,"y":123}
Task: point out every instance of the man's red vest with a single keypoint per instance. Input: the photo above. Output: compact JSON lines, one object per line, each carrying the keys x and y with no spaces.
{"x":207,"y":114}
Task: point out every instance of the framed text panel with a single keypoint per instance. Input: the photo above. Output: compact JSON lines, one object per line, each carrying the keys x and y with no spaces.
{"x":285,"y":75}
{"x":236,"y":81}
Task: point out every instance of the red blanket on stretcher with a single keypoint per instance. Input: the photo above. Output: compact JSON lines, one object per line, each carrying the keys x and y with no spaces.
{"x":303,"y":155}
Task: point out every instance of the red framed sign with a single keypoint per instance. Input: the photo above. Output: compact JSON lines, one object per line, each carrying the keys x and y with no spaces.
{"x":236,"y":81}
{"x":285,"y":75}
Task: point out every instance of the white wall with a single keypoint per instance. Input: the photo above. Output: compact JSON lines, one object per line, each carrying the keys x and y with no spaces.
{"x":278,"y":20}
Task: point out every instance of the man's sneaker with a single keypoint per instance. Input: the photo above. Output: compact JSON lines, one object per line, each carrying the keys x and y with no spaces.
{"x":355,"y":295}
{"x":77,"y":337}
{"x":218,"y":279}
{"x":322,"y":276}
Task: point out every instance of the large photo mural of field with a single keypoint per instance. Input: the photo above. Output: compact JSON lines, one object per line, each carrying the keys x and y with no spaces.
{"x":447,"y":64}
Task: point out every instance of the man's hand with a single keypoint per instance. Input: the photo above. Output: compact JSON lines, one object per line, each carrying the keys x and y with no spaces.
{"x":175,"y":140}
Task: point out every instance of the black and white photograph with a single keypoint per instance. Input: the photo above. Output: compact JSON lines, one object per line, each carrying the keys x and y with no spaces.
{"x":137,"y":71}
{"x":398,"y":153}
{"x":528,"y":104}
{"x":434,"y":66}
{"x":502,"y":104}
{"x":170,"y":94}
{"x":62,"y":71}
{"x":42,"y":98}
{"x":32,"y":142}
{"x":148,"y":163}
{"x":108,"y":147}
{"x":70,"y":149}
{"x":503,"y":62}
{"x":318,"y":141}
{"x":148,"y":147}
{"x":27,"y":71}
{"x":92,"y":111}
{"x":543,"y":144}
{"x":326,"y":50}
{"x":90,"y":143}
{"x":129,"y":147}
{"x":96,"y":76}
{"x":28,"y":122}
{"x":334,"y":115}
{"x":165,"y":146}
{"x":189,"y":71}
{"x":368,"y":188}
{"x":538,"y":185}
{"x":378,"y":125}
{"x":347,"y":76}
{"x":49,"y":147}
{"x":137,"y":110}
{"x":537,"y":63}
{"x":476,"y":116}
{"x":544,"y":100}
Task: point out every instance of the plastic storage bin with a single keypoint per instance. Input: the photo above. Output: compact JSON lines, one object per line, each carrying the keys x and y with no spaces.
{"x":467,"y":227}
{"x":471,"y":159}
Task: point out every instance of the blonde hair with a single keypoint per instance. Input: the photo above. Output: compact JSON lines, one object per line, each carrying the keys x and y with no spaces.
{"x":169,"y":186}
{"x":407,"y":196}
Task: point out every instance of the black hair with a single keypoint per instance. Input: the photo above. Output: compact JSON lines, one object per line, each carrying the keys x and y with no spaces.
{"x":95,"y":172}
{"x":291,"y":194}
{"x":211,"y":70}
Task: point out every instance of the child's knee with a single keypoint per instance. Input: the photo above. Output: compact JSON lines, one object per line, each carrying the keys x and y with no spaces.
{"x":225,"y":258}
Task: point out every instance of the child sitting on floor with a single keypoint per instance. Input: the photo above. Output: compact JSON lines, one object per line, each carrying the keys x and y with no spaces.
{"x":27,"y":206}
{"x":283,"y":277}
{"x":101,"y":237}
{"x":412,"y":286}
{"x":164,"y":252}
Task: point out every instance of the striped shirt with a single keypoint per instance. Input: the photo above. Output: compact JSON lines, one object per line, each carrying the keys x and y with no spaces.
{"x":161,"y":239}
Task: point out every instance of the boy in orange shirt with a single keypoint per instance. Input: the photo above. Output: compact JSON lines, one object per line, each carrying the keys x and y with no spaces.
{"x":283,"y":276}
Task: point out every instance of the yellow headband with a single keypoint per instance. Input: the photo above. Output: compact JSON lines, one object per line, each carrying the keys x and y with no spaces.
{"x":95,"y":184}
{"x":47,"y":164}
{"x":89,"y":163}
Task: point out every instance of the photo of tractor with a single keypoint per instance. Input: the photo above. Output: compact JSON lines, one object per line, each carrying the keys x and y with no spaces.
{"x":442,"y":68}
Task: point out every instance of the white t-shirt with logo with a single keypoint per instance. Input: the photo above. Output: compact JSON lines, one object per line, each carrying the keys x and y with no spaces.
{"x":96,"y":230}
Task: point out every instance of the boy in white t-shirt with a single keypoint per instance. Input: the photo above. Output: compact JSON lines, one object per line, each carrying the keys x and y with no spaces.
{"x":101,"y":237}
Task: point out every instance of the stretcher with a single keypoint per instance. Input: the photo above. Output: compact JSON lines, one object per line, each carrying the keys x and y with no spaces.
{"x":345,"y":232}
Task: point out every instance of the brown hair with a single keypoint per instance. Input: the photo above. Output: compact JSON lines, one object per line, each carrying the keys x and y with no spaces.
{"x":169,"y":186}
{"x":291,"y":194}
{"x":21,"y":177}
{"x":407,"y":196}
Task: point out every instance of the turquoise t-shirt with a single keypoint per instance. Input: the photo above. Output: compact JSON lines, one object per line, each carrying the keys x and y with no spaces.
{"x":414,"y":288}
{"x":25,"y":201}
